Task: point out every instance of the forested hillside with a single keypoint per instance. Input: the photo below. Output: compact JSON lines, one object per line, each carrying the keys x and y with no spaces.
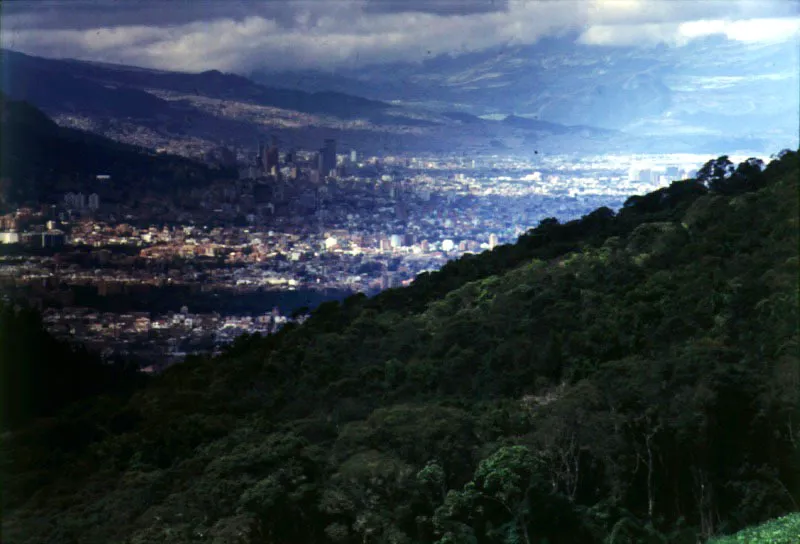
{"x":39,"y":375}
{"x":41,"y":161}
{"x":628,"y":377}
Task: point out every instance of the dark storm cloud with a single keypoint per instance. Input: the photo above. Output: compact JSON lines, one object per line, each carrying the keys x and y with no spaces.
{"x":240,"y":36}
{"x":442,"y":7}
{"x":83,"y":14}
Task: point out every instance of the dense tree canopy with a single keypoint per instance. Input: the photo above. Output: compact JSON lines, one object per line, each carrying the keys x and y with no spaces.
{"x":39,"y":374}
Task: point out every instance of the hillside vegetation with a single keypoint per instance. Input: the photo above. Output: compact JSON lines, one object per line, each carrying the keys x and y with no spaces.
{"x":622,"y":378}
{"x":40,"y":375}
{"x":40,"y":161}
{"x":784,"y":530}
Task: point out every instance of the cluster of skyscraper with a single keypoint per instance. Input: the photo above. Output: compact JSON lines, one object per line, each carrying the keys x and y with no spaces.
{"x":270,"y":158}
{"x":79,"y":201}
{"x":326,"y":160}
{"x":659,"y":175}
{"x":324,"y":163}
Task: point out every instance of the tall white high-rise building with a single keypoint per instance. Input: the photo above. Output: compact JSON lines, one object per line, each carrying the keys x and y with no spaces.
{"x":673,"y":173}
{"x":493,"y":241}
{"x":94,"y":201}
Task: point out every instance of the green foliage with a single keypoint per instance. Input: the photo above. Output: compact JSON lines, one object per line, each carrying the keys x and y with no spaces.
{"x":785,"y":530}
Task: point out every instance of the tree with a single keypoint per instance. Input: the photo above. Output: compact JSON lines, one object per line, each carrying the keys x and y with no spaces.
{"x":749,"y":176}
{"x":715,"y":171}
{"x":505,"y":488}
{"x":369,"y":495}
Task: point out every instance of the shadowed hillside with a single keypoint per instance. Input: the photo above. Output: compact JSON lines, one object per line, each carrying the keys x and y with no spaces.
{"x":118,"y":89}
{"x":41,"y":160}
{"x":40,"y":375}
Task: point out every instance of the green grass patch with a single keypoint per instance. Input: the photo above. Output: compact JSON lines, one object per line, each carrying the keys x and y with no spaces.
{"x":785,"y":530}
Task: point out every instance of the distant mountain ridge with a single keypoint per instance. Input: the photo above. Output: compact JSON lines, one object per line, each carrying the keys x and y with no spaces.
{"x":156,"y":108}
{"x":709,"y":86}
{"x":28,"y":77}
{"x":167,"y":102}
{"x":535,"y":124}
{"x":191,"y":113}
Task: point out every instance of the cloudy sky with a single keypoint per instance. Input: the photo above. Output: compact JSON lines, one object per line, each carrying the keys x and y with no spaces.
{"x":240,"y":36}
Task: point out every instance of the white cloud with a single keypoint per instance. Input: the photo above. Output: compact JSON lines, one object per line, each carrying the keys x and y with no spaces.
{"x":762,"y":30}
{"x":646,"y":22}
{"x":750,"y":30}
{"x":328,"y":34}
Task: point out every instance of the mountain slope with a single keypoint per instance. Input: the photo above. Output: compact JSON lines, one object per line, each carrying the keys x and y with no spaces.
{"x":41,"y":375}
{"x":184,"y":111}
{"x":629,"y":376}
{"x":122,"y":89}
{"x":41,"y":160}
{"x":701,"y":91}
{"x":172,"y":103}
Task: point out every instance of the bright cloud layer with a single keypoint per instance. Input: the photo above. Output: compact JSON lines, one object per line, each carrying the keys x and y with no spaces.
{"x":335,"y":33}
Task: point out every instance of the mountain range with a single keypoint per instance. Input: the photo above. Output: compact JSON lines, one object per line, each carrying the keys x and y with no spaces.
{"x":190,"y":113}
{"x":709,"y":87}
